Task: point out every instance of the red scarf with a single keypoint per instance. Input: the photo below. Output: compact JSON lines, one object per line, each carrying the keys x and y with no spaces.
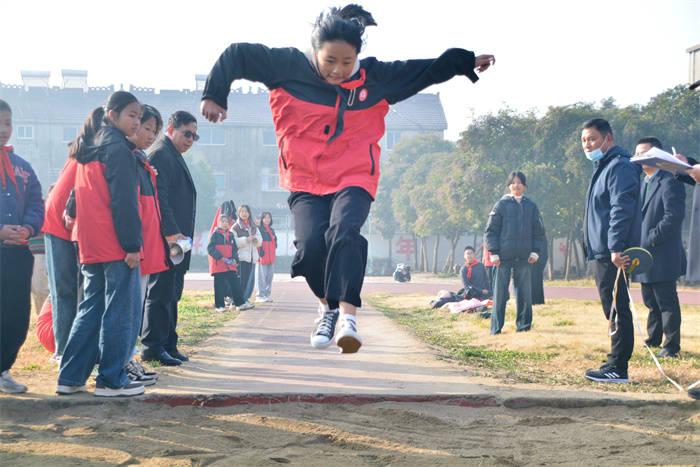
{"x":6,"y":167}
{"x":469,"y":271}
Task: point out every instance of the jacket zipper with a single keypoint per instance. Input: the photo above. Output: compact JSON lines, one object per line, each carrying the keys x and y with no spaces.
{"x":284,"y":163}
{"x":371,"y":158}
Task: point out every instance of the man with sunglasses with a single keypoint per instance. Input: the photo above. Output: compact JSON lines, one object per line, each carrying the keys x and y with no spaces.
{"x":177,"y":197}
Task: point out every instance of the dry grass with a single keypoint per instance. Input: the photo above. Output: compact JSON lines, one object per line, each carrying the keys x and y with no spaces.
{"x":568,"y":336}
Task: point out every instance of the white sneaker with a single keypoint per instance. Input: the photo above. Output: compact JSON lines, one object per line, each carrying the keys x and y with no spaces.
{"x":56,"y":359}
{"x":269,"y":299}
{"x":131,"y":389}
{"x":9,"y":385}
{"x":246,"y":306}
{"x":220,"y":308}
{"x":64,"y":390}
{"x":348,"y":339}
{"x":325,"y":329}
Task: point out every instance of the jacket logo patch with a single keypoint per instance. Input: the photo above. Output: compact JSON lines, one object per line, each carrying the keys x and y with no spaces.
{"x":363,"y":95}
{"x":24,"y":174}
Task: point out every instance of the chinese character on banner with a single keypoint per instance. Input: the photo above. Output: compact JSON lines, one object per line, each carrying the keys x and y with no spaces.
{"x":406,"y":247}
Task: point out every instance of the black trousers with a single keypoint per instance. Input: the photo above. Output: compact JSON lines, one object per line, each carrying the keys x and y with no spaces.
{"x":227,"y":284}
{"x":331,"y":253}
{"x":622,"y":342}
{"x":245,"y":269}
{"x":16,"y":264}
{"x":160,"y":313}
{"x":664,"y":314}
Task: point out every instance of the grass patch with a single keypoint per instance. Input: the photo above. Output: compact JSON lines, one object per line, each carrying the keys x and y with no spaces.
{"x":568,"y":337}
{"x":197,"y":317}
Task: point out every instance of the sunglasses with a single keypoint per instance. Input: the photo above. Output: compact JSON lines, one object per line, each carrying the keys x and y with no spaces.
{"x":188,"y":134}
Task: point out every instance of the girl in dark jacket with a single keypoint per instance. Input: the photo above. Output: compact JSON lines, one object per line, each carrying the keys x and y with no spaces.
{"x":514,"y":238}
{"x":108,"y":231}
{"x":328,"y":108}
{"x":265,"y":269}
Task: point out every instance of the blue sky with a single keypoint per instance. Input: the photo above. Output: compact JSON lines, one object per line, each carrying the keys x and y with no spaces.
{"x":547,"y":52}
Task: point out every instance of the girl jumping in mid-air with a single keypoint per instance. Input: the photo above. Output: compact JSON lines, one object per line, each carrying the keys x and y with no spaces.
{"x":328,"y":108}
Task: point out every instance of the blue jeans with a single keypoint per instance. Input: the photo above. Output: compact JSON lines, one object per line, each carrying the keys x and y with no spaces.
{"x":264,"y":274}
{"x":523,"y":295}
{"x":63,"y":272}
{"x":106,"y":326}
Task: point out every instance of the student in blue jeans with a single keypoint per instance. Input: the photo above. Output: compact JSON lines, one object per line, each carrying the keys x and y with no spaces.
{"x":514,"y":238}
{"x":108,"y":230}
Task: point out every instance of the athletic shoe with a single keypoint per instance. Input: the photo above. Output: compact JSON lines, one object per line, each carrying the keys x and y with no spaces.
{"x":63,"y":390}
{"x":220,"y":308}
{"x":325,"y":329}
{"x":144,"y":371}
{"x":228,"y":302}
{"x":665,"y":353}
{"x":56,"y":359}
{"x":135,"y":374}
{"x":131,"y":389}
{"x":607,"y":373}
{"x":694,"y":393}
{"x":246,"y":306}
{"x":9,"y":385}
{"x":348,"y":339}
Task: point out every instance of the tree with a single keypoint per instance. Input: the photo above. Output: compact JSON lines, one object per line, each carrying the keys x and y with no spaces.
{"x":205,"y":184}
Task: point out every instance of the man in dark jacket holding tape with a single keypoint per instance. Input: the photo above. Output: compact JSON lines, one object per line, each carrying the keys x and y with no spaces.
{"x":612,"y":224}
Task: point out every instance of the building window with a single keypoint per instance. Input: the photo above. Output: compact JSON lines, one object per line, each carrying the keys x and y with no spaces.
{"x":209,"y":136}
{"x":69,"y":134}
{"x":270,"y":179}
{"x":392,"y":137}
{"x":24,"y":132}
{"x":220,"y":180}
{"x":269,"y":138}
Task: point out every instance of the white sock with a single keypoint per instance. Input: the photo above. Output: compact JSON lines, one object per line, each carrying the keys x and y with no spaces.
{"x":350,"y":318}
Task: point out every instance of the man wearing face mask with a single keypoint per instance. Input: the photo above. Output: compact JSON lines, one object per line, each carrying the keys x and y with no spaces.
{"x":612,"y":223}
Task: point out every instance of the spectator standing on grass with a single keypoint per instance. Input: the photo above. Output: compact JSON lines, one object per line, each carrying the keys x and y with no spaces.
{"x":514,"y":237}
{"x":177,"y":199}
{"x":663,"y":210}
{"x":265,"y":269}
{"x":611,"y":224}
{"x":473,"y":275}
{"x":21,"y":217}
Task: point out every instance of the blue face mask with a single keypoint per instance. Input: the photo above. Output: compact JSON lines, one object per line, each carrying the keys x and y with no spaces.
{"x":596,"y":154}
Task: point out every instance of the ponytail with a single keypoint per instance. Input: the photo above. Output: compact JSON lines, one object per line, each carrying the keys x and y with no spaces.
{"x":97,"y":118}
{"x":342,"y":24}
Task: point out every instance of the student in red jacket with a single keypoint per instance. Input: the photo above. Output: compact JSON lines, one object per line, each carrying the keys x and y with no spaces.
{"x":108,"y":231}
{"x":328,"y":108}
{"x":265,"y":269}
{"x":223,"y":261}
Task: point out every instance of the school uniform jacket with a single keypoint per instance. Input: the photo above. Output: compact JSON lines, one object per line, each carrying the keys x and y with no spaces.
{"x":222,"y":246}
{"x":56,"y":201}
{"x":514,"y":229}
{"x":269,"y":245}
{"x":107,"y":223}
{"x":328,"y":134}
{"x":177,"y":195}
{"x":21,"y":204}
{"x":155,"y":252}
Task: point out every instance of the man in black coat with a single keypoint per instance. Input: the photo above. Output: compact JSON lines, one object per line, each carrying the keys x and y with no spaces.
{"x":177,"y":197}
{"x":663,"y":210}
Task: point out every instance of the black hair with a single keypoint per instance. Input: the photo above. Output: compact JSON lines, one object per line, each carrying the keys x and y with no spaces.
{"x":116,"y":102}
{"x":4,"y":106}
{"x":149,"y":112}
{"x":469,"y":247}
{"x":265,"y":213}
{"x":228,"y":209}
{"x":654,"y":141}
{"x":250,"y":214}
{"x":518,"y":174}
{"x":180,"y":118}
{"x":599,"y":124}
{"x":342,"y":24}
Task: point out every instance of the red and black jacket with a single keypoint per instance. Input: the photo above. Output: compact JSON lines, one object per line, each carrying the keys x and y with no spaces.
{"x":155,"y":252}
{"x":57,"y":199}
{"x":222,"y":246}
{"x":269,"y":245}
{"x":328,"y":134}
{"x":107,"y":222}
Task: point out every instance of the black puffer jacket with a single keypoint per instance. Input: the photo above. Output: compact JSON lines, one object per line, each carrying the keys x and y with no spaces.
{"x":514,"y":229}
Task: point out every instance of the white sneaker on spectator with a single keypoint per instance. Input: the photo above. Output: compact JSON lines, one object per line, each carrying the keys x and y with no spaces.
{"x":56,"y":359}
{"x":245,"y":306}
{"x":64,"y":390}
{"x":348,"y":339}
{"x":220,"y":308}
{"x":9,"y":385}
{"x":131,"y":389}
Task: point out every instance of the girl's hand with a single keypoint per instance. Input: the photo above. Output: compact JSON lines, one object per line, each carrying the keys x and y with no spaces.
{"x":132,"y":259}
{"x":483,"y":62}
{"x":11,"y":234}
{"x":212,"y":111}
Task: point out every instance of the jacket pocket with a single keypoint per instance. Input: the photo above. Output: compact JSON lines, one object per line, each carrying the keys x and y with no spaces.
{"x":284,"y":162}
{"x":371,"y":158}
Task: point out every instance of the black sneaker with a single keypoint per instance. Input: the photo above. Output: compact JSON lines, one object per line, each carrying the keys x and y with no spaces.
{"x":144,"y":371}
{"x":133,"y":371}
{"x":608,"y":374}
{"x":323,"y":334}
